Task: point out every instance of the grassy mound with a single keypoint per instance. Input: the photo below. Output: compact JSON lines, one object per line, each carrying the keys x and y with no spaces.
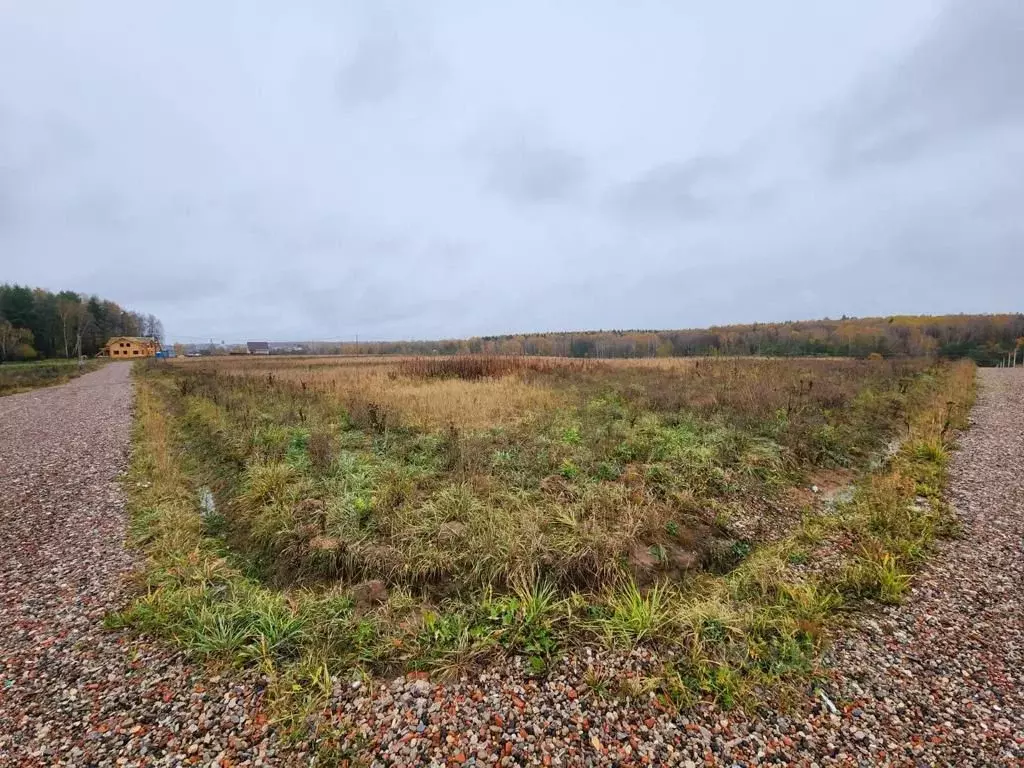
{"x":312,"y":516}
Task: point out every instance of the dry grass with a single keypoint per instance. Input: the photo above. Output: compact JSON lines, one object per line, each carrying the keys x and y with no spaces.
{"x":405,"y":391}
{"x":476,"y":392}
{"x":436,"y":403}
{"x":476,"y":367}
{"x":483,"y":470}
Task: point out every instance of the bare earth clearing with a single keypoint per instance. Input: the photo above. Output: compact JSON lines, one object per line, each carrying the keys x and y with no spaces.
{"x":936,"y":681}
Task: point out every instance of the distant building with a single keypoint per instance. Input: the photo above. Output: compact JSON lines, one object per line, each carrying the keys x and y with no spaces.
{"x":129,"y":346}
{"x":258,"y":347}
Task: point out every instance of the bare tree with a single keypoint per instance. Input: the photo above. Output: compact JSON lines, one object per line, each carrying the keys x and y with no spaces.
{"x":84,"y":321}
{"x":69,"y":311}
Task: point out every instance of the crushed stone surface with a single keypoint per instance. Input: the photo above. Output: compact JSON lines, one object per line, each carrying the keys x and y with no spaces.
{"x":71,"y":692}
{"x":936,"y":681}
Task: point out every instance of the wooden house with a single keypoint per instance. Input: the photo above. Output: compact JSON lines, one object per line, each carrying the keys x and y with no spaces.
{"x":129,"y":347}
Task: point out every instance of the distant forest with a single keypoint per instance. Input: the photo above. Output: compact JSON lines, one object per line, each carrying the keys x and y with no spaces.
{"x":987,"y":339}
{"x":36,"y":323}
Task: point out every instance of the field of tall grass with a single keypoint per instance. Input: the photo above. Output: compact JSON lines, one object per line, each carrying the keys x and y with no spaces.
{"x":315,"y":516}
{"x":21,"y":377}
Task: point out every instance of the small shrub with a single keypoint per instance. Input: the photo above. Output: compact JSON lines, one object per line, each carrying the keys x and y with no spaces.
{"x":929,"y":450}
{"x":297,"y":453}
{"x":876,"y":575}
{"x":266,"y":483}
{"x":740,"y":549}
{"x":634,"y":615}
{"x":568,"y":469}
{"x":321,"y":451}
{"x":798,"y":557}
{"x":525,"y":620}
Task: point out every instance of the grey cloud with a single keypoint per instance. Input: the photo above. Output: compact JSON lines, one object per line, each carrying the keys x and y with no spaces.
{"x":524,"y":172}
{"x":8,"y":200}
{"x":393,"y":55}
{"x":447,"y":254}
{"x":161,"y":286}
{"x":673,"y":193}
{"x":447,"y":169}
{"x":375,"y":72}
{"x":372,"y":306}
{"x":964,"y":78}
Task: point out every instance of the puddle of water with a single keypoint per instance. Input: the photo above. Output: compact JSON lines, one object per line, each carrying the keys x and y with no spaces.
{"x":207,"y":505}
{"x":890,"y":450}
{"x":838,"y":497}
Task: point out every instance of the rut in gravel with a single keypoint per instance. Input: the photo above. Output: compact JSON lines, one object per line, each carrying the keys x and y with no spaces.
{"x":72,"y":693}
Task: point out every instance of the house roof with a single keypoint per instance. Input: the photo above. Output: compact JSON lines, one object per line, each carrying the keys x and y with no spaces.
{"x":136,"y":339}
{"x":258,"y":346}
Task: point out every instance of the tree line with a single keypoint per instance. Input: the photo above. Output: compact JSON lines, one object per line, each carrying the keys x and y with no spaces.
{"x":36,"y":323}
{"x":984,"y":338}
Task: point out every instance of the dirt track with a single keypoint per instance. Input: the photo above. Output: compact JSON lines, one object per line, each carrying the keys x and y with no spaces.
{"x":936,"y":681}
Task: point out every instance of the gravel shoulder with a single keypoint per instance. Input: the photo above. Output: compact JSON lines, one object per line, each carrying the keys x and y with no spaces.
{"x":72,"y":693}
{"x":940,"y":680}
{"x":937,"y":681}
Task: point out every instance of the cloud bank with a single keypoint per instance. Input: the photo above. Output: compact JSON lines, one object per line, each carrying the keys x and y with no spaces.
{"x":399,"y":170}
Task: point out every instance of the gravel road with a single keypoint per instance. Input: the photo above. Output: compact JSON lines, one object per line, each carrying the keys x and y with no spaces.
{"x":72,"y":693}
{"x":937,"y":681}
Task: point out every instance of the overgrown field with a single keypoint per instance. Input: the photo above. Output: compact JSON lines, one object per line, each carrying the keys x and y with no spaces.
{"x":20,"y":377}
{"x":315,"y":516}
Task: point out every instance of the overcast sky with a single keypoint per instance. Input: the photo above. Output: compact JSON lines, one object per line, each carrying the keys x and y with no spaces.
{"x":434,"y":169}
